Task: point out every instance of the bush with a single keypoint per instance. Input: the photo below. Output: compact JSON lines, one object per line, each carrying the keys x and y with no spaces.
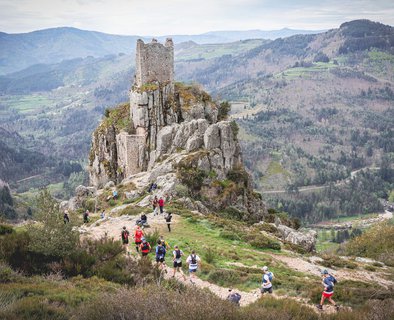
{"x":375,"y":243}
{"x":152,"y":237}
{"x":335,"y":261}
{"x":261,"y":241}
{"x":181,"y":190}
{"x":224,"y":277}
{"x":209,"y":255}
{"x":229,"y":234}
{"x":6,"y":229}
{"x":164,"y":304}
{"x":223,"y":110}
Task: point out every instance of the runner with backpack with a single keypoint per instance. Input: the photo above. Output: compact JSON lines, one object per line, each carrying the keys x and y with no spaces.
{"x":178,"y":253}
{"x":193,"y":260}
{"x":125,"y":237}
{"x":266,"y":281}
{"x":138,"y":234}
{"x":234,"y":297}
{"x":160,"y":254}
{"x":329,"y":282}
{"x":145,"y":247}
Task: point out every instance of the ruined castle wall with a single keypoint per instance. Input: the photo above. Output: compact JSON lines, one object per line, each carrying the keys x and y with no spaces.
{"x":130,"y":153}
{"x":154,"y":62}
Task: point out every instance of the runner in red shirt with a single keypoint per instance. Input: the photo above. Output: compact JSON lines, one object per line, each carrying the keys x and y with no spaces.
{"x":138,"y":238}
{"x":161,"y":204}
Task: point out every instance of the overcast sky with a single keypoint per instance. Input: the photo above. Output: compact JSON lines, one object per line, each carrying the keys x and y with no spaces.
{"x":164,"y":17}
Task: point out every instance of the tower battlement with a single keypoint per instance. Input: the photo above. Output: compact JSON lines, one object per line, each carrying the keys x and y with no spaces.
{"x":154,"y":62}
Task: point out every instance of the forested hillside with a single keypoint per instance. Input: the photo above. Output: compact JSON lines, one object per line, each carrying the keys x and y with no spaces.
{"x":312,"y":109}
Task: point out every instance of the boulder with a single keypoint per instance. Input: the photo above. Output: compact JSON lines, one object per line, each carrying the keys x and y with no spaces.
{"x":132,"y":195}
{"x":109,"y":184}
{"x":306,"y":240}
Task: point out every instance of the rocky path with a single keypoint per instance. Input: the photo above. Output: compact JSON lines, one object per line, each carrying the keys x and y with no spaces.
{"x":313,"y":267}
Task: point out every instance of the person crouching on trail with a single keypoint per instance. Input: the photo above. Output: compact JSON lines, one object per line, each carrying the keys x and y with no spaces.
{"x":125,"y":237}
{"x":178,"y":253}
{"x":328,"y":282}
{"x":145,"y":247}
{"x":160,"y":254}
{"x":234,"y":297}
{"x":138,"y":234}
{"x":266,"y":285}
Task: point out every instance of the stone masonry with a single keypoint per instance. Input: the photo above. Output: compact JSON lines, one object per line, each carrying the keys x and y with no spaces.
{"x":131,"y":149}
{"x":154,"y":62}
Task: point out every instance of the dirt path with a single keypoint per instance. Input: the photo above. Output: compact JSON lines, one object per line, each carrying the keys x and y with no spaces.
{"x":313,"y":267}
{"x":112,"y":226}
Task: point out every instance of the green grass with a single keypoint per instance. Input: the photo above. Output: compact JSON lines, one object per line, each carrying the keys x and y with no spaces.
{"x":234,"y":262}
{"x":209,"y":51}
{"x":27,"y":103}
{"x":293,"y":73}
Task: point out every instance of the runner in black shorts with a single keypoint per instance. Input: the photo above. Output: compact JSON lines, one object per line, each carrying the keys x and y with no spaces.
{"x":160,"y":254}
{"x":177,"y":253}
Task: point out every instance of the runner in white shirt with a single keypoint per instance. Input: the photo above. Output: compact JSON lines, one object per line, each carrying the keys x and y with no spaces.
{"x":194,"y":261}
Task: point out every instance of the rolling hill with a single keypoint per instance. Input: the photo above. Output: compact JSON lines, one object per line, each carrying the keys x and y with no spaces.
{"x":311,"y":108}
{"x":48,"y":46}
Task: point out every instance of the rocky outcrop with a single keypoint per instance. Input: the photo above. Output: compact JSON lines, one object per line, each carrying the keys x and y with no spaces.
{"x":82,"y":193}
{"x":171,"y":135}
{"x":306,"y":240}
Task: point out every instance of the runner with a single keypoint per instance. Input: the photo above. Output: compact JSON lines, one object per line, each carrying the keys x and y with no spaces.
{"x":266,"y":285}
{"x":177,"y":253}
{"x":328,"y":282}
{"x":165,"y":243}
{"x":161,"y":205}
{"x":86,"y":216}
{"x":194,"y":261}
{"x":168,"y":218}
{"x":125,"y":238}
{"x":145,"y":247}
{"x":138,"y":234}
{"x":234,"y":297}
{"x":160,"y":254}
{"x":155,"y":204}
{"x":66,"y":218}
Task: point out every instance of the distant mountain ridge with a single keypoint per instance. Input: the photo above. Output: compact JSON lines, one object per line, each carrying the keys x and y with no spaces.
{"x":19,"y":51}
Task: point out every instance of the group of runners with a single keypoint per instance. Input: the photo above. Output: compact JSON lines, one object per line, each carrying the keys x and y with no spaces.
{"x":193,"y":260}
{"x":162,"y":248}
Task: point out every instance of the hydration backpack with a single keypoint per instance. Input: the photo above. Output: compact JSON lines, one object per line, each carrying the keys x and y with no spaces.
{"x":145,"y":246}
{"x":332,"y":279}
{"x":161,"y":251}
{"x":125,"y":235}
{"x":193,"y":259}
{"x":270,"y":277}
{"x":177,"y":254}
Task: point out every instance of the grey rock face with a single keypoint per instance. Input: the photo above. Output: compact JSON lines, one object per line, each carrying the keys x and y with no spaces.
{"x":306,"y":240}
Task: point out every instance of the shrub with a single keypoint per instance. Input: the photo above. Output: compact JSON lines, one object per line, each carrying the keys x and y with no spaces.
{"x":335,"y":261}
{"x":232,"y":213}
{"x":181,"y":190}
{"x":224,"y":277}
{"x":223,"y":110}
{"x":209,"y":255}
{"x":229,"y":234}
{"x":376,"y":243}
{"x":261,"y":241}
{"x":266,"y":227}
{"x":6,"y":229}
{"x":164,"y":304}
{"x":152,"y":237}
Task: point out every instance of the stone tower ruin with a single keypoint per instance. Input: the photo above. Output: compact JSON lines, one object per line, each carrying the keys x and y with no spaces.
{"x":154,"y":62}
